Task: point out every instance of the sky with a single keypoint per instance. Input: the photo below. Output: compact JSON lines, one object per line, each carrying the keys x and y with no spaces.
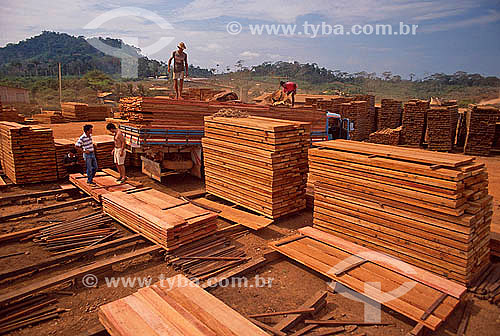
{"x":451,"y":35}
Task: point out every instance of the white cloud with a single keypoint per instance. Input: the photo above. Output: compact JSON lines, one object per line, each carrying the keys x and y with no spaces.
{"x":249,"y":54}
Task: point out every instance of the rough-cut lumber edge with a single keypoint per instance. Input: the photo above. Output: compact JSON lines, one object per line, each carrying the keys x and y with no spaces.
{"x":293,"y":319}
{"x":72,"y":274}
{"x":446,"y":286}
{"x":23,"y":233}
{"x":266,"y":327}
{"x":38,"y":194}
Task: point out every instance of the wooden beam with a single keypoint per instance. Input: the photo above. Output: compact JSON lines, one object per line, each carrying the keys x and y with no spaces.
{"x":434,"y":305}
{"x":287,"y":312}
{"x":23,"y":233}
{"x":342,"y":323}
{"x":73,"y":274}
{"x":266,"y":327}
{"x":46,"y":208}
{"x":310,"y":327}
{"x":293,"y":319}
{"x":38,"y":194}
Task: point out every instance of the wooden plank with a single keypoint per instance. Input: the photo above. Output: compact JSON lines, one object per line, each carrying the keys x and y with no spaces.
{"x":292,"y":320}
{"x":37,"y":194}
{"x":234,"y":215}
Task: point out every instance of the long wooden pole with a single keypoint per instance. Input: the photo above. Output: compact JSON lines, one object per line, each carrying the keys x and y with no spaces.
{"x":60,"y":86}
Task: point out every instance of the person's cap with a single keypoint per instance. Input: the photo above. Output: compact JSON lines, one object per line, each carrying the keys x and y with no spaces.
{"x":181,"y":45}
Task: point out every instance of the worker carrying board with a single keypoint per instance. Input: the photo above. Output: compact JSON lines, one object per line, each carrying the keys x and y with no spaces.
{"x":290,"y":89}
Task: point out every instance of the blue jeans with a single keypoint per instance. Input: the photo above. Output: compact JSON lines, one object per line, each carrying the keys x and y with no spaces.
{"x":91,"y":163}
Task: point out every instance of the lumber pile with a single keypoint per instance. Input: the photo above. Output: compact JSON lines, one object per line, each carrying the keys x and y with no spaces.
{"x":77,"y":234}
{"x":103,"y":146}
{"x":10,"y":114}
{"x":63,"y":147}
{"x":27,"y":153}
{"x":414,"y":117}
{"x":481,"y":122}
{"x":74,"y":111}
{"x":388,"y":136}
{"x":442,"y":127}
{"x":495,"y":243}
{"x":97,"y":112}
{"x":429,"y":209}
{"x":370,"y":99}
{"x":389,"y":115}
{"x":359,"y":113}
{"x":259,"y":163}
{"x":174,"y":306}
{"x":429,"y":300}
{"x":49,"y":117}
{"x":167,"y":221}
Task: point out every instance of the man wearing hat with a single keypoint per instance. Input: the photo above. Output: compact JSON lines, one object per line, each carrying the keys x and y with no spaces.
{"x":180,"y":68}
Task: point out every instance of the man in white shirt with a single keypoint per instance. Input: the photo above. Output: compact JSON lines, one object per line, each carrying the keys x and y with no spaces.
{"x":85,"y":144}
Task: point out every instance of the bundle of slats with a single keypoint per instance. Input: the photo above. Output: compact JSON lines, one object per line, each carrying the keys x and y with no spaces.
{"x":74,"y":111}
{"x":175,"y":306}
{"x":28,"y":311}
{"x":259,"y":163}
{"x":414,"y":117}
{"x":206,"y":258}
{"x":78,"y":233}
{"x":481,"y":129}
{"x":49,"y":117}
{"x":27,"y":153}
{"x":427,"y":208}
{"x":63,"y":147}
{"x":163,"y":219}
{"x":495,"y":242}
{"x":10,"y":114}
{"x":388,"y":136}
{"x":442,"y":127}
{"x":389,"y":115}
{"x":370,"y":100}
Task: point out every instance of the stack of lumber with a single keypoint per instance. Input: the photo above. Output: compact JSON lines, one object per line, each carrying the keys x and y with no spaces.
{"x":389,"y":115}
{"x":442,"y":127}
{"x":429,"y":209}
{"x":103,"y":146}
{"x":388,"y":136}
{"x":74,"y":111}
{"x":421,"y":296}
{"x":10,"y":114}
{"x":358,"y":113}
{"x":49,"y":117}
{"x":414,"y":117}
{"x":259,"y":163}
{"x":97,"y":112}
{"x":63,"y":147}
{"x":175,"y":306}
{"x":370,"y":99}
{"x":27,"y":153}
{"x":167,"y":221}
{"x":495,"y":243}
{"x":481,"y":121}
{"x":487,"y":287}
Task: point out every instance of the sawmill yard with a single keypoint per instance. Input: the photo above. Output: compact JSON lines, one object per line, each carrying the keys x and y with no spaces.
{"x":305,"y":223}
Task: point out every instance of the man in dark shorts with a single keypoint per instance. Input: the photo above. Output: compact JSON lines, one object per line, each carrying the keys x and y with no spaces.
{"x":290,"y":88}
{"x":180,"y":68}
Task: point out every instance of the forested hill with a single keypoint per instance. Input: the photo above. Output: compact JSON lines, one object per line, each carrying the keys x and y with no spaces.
{"x":40,"y":55}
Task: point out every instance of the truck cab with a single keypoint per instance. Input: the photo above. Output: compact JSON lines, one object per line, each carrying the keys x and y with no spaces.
{"x":336,"y":128}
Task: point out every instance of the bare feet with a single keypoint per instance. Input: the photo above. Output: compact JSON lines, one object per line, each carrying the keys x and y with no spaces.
{"x":180,"y":98}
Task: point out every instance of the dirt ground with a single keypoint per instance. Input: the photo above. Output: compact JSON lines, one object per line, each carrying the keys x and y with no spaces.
{"x":291,"y":283}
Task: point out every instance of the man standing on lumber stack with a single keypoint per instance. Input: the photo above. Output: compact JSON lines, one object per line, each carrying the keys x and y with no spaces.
{"x":289,"y":88}
{"x":119,"y":151}
{"x":180,"y":68}
{"x":85,"y":144}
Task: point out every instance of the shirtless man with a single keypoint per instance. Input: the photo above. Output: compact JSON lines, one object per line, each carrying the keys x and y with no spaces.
{"x":118,"y":152}
{"x":180,"y":68}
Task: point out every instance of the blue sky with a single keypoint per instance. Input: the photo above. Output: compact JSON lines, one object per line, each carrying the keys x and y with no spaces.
{"x":451,"y":35}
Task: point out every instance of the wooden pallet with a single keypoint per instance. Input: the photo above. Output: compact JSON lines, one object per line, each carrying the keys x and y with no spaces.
{"x":427,"y":298}
{"x":429,"y":209}
{"x":175,"y":306}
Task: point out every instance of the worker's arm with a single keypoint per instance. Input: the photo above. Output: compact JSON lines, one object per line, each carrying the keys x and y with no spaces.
{"x":122,"y":144}
{"x":186,"y":66}
{"x":170,"y":61}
